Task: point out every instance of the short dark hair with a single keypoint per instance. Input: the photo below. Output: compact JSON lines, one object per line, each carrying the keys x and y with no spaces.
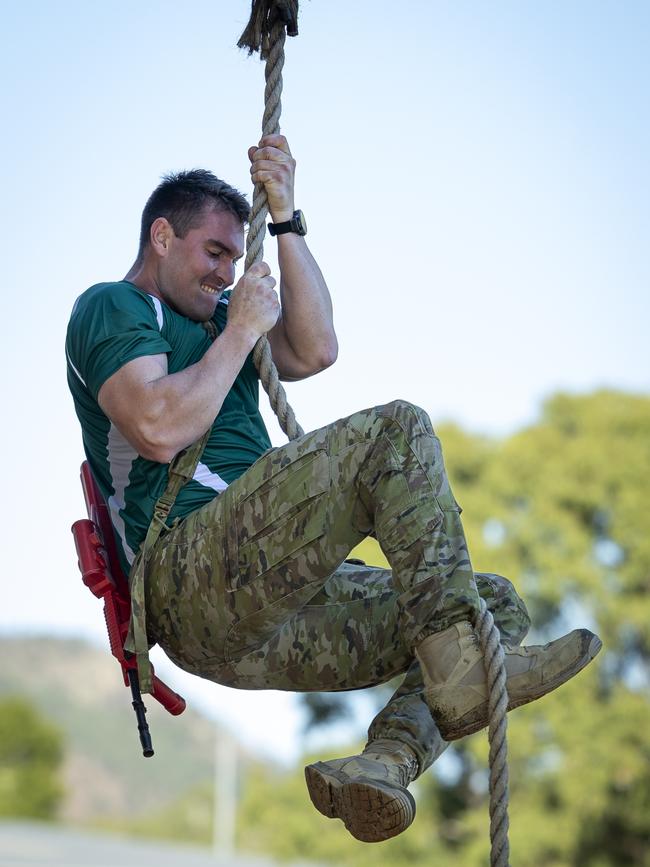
{"x":183,"y":197}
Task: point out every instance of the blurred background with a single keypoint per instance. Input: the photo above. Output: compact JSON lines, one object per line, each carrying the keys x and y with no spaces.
{"x":475,"y":180}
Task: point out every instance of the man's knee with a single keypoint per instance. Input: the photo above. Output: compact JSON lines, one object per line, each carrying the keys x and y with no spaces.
{"x":407,"y":415}
{"x":507,"y":606}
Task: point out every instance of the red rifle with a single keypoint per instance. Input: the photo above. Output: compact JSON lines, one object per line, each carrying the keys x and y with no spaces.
{"x":101,"y":572}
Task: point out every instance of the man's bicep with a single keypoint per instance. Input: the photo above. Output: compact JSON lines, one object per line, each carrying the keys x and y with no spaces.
{"x":290,"y":367}
{"x":125,"y":396}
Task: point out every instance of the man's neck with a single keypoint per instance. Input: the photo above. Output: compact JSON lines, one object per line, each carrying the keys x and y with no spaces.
{"x":140,"y":275}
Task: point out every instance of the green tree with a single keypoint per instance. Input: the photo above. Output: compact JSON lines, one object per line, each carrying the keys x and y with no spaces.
{"x":31,"y":751}
{"x":560,"y":508}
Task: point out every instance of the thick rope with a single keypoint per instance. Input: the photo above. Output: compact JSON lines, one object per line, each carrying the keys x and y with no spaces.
{"x":494,"y":660}
{"x":266,"y":33}
{"x":272,"y":43}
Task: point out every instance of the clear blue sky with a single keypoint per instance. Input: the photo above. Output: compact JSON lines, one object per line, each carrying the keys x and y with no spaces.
{"x":475,"y":178}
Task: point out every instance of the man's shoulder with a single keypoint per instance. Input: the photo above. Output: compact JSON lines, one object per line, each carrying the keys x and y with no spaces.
{"x":111,"y":308}
{"x":110,"y":325}
{"x":117,"y":295}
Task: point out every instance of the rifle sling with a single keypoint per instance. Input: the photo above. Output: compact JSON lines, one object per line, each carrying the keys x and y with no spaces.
{"x":181,"y":470}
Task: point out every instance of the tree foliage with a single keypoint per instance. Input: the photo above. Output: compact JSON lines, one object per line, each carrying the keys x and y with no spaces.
{"x":31,"y":751}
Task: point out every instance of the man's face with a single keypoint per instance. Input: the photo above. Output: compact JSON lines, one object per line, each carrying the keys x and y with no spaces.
{"x":198,"y":267}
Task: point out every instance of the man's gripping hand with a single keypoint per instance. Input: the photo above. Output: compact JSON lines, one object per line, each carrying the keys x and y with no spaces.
{"x":254,"y":306}
{"x":273,"y":166}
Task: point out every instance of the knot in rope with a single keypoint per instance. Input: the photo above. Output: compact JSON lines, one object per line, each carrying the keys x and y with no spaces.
{"x":265,"y":15}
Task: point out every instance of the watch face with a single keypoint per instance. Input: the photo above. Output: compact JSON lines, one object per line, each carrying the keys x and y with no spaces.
{"x":300,"y":223}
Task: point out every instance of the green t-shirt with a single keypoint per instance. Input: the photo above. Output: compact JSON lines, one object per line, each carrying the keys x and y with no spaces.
{"x":111,"y":324}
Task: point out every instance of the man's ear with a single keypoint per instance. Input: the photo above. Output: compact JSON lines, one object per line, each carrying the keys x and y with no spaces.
{"x":161,"y":235}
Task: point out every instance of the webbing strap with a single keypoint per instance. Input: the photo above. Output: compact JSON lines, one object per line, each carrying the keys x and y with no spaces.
{"x":181,"y":470}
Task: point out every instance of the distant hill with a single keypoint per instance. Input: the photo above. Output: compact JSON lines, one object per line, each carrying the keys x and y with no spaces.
{"x":80,"y":688}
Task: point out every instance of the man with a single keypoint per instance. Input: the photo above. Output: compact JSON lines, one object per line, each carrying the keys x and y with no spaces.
{"x":248,"y":585}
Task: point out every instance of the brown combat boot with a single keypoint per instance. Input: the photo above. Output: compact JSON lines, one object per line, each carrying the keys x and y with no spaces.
{"x":456,"y":684}
{"x":368,"y":792}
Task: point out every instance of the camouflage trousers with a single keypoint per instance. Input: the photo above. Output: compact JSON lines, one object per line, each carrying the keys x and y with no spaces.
{"x":252,"y":590}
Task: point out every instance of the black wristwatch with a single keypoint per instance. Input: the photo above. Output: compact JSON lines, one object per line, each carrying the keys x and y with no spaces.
{"x":296,"y":224}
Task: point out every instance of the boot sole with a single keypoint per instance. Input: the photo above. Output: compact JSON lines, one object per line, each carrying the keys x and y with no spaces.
{"x":477,"y":718}
{"x":371,"y":811}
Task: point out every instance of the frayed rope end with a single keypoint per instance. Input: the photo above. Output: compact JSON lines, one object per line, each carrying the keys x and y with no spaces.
{"x":265,"y":14}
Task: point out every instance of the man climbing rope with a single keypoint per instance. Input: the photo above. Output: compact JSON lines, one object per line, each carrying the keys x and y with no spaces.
{"x":246,"y":584}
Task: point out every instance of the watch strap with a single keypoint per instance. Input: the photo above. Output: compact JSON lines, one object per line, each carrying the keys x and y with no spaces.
{"x":296,"y":224}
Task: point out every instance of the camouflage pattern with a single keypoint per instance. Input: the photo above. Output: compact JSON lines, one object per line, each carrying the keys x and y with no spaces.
{"x":251,"y":590}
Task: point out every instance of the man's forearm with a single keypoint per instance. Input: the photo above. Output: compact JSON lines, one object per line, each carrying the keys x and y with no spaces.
{"x":161,"y":413}
{"x":303,"y":341}
{"x":188,"y":402}
{"x":307,"y":325}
